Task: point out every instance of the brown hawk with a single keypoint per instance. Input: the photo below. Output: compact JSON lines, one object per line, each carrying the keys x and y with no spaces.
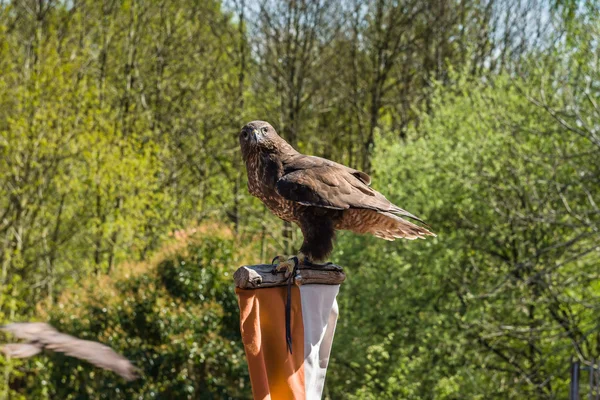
{"x":319,"y":195}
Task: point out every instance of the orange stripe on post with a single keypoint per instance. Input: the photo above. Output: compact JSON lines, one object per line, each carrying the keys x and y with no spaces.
{"x":274,"y":372}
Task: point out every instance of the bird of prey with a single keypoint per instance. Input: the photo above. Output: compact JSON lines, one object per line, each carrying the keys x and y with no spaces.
{"x":319,"y":195}
{"x":41,"y":336}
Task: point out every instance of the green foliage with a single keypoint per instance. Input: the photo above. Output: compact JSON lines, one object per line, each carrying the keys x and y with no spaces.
{"x":118,"y":123}
{"x":111,"y":134}
{"x":177,"y":318}
{"x":496,"y":306}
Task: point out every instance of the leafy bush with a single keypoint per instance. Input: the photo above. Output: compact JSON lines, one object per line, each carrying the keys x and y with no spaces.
{"x":497,"y":305}
{"x":176,"y":318}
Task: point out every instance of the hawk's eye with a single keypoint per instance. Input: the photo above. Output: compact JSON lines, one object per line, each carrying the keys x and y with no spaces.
{"x":264,"y":129}
{"x":245,"y":134}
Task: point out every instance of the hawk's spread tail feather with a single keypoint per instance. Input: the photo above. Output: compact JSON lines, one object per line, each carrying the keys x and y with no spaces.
{"x":395,"y":227}
{"x":384,"y":225}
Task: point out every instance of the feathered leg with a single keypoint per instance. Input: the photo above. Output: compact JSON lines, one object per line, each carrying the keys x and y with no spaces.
{"x":319,"y":233}
{"x":317,"y":225}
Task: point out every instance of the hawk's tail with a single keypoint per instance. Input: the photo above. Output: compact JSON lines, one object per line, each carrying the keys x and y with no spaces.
{"x":393,"y":227}
{"x":381,"y":224}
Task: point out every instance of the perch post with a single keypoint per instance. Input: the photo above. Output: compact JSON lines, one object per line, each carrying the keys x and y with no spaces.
{"x":276,"y":371}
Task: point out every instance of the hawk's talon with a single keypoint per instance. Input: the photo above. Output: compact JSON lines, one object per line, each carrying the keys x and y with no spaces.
{"x":291,"y":262}
{"x":286,"y":266}
{"x":274,"y":270}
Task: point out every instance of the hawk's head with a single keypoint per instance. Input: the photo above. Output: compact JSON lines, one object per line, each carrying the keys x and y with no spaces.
{"x":258,"y":136}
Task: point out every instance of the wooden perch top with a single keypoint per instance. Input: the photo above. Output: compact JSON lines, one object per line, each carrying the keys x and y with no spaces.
{"x":261,"y":276}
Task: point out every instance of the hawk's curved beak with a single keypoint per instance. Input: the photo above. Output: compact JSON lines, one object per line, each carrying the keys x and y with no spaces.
{"x":257,"y":135}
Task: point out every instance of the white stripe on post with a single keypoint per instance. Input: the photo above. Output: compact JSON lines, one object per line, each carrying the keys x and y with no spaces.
{"x":320,"y":313}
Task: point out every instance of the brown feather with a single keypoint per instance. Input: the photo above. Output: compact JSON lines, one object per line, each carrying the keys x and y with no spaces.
{"x":332,"y":185}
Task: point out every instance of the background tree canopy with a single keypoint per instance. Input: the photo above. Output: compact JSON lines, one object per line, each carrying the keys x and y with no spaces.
{"x":118,"y":126}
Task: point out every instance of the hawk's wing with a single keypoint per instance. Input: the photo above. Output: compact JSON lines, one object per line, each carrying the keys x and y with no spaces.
{"x":319,"y":182}
{"x":42,"y":335}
